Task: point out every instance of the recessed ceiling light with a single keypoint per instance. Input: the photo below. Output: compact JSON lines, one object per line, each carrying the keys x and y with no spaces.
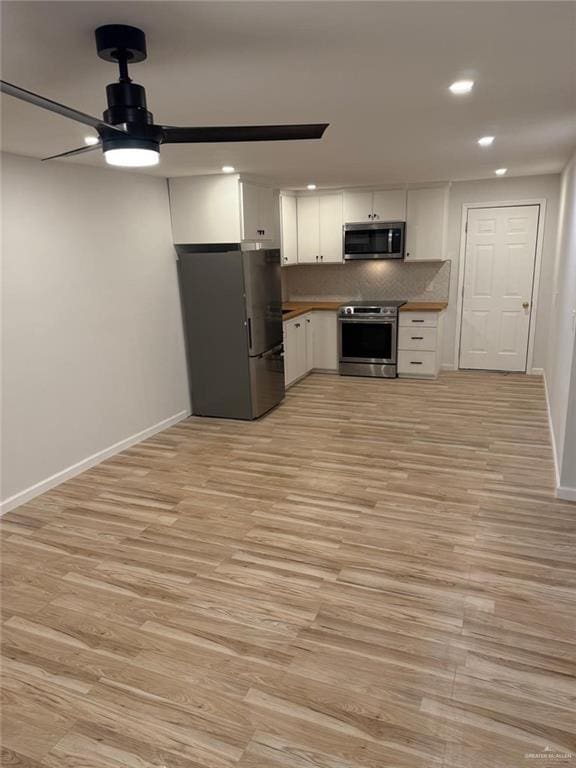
{"x":311,"y":186}
{"x":500,"y":171}
{"x":91,"y":140}
{"x":228,"y":169}
{"x":485,"y":141}
{"x":462,"y":86}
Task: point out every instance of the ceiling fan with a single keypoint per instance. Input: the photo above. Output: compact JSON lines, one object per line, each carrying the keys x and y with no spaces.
{"x":127,"y":133}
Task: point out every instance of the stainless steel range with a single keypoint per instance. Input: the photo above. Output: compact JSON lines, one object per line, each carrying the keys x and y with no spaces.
{"x":368,"y":338}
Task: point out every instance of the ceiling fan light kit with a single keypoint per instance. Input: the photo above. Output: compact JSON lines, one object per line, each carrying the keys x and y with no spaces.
{"x":127,"y":133}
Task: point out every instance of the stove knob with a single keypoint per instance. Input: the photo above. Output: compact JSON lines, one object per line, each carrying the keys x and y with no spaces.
{"x":348,"y":310}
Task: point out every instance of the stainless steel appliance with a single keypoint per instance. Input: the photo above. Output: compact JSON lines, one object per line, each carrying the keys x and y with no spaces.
{"x":232,"y":307}
{"x":368,"y":338}
{"x":381,"y":240}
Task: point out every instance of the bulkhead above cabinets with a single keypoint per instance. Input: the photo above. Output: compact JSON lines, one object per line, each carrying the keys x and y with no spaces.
{"x":223,"y":209}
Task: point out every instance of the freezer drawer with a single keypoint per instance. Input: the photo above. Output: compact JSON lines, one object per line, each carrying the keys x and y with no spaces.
{"x":267,"y":380}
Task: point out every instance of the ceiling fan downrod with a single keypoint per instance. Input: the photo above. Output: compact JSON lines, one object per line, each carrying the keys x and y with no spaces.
{"x":122,"y":44}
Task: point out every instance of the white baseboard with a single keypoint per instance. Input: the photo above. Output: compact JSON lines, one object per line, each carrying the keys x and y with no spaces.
{"x":51,"y":482}
{"x":552,"y":439}
{"x":566,"y":493}
{"x":537,"y":372}
{"x":448,"y":367}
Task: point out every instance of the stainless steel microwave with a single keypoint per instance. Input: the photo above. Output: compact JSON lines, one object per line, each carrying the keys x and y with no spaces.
{"x":382,"y":240}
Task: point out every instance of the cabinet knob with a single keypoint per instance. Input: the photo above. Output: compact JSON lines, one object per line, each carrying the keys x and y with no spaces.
{"x":525,"y":304}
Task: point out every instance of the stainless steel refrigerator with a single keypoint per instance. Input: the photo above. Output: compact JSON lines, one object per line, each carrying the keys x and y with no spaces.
{"x":232,"y":309}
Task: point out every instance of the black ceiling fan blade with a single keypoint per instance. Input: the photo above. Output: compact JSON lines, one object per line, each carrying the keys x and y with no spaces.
{"x":243,"y":133}
{"x":54,"y":106}
{"x":79,"y":151}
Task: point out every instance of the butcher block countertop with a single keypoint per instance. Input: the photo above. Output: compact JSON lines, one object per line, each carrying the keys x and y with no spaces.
{"x":297,"y":308}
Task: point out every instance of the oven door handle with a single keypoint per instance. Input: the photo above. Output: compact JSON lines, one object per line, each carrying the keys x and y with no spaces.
{"x":371,"y":320}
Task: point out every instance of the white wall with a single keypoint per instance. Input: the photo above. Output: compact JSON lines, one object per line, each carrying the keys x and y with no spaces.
{"x":560,"y":367}
{"x":92,"y":347}
{"x":503,"y":190}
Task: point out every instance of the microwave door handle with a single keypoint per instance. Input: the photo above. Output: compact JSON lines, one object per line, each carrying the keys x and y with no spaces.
{"x":390,"y":240}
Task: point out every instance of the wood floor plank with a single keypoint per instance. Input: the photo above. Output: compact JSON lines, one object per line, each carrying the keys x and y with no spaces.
{"x":375,"y":575}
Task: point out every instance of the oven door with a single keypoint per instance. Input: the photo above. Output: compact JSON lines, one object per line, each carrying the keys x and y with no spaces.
{"x":367,"y":340}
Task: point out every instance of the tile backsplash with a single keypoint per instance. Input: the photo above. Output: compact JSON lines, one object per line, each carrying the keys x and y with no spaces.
{"x":424,"y":281}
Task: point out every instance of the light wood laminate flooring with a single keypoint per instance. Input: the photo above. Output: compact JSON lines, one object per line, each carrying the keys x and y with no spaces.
{"x":375,"y":575}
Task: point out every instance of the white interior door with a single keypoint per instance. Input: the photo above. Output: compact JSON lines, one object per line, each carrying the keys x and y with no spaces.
{"x":498,"y":278}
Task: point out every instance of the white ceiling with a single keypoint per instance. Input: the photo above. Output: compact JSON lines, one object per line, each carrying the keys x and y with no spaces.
{"x":378,"y":72}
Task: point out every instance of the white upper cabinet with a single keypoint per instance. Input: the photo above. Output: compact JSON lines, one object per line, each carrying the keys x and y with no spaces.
{"x":288,"y":230}
{"x":221,"y":209}
{"x":308,"y":229}
{"x":319,"y":229}
{"x":426,"y":224}
{"x":389,"y":205}
{"x":384,"y":205}
{"x":357,"y":207}
{"x":205,"y":209}
{"x":257,"y":205}
{"x":330,"y":225}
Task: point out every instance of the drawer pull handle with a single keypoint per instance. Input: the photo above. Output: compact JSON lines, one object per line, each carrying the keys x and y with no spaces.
{"x":417,"y":321}
{"x":417,"y":338}
{"x":415,"y":362}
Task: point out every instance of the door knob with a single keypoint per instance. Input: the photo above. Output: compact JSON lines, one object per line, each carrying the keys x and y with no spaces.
{"x":525,"y":304}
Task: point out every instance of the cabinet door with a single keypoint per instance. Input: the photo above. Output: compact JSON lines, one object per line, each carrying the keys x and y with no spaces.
{"x":266,"y":228}
{"x":250,"y":211}
{"x":357,"y":207}
{"x":425,"y":213}
{"x":330,"y":208}
{"x":290,"y":352}
{"x":325,"y":341}
{"x":309,"y":323}
{"x":288,"y":230}
{"x":205,"y":209}
{"x":390,"y":205}
{"x":308,"y":209}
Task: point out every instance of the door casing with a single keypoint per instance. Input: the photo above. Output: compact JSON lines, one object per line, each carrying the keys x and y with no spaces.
{"x":535,"y":284}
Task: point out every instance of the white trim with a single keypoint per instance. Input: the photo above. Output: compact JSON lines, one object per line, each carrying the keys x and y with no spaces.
{"x":535,"y":283}
{"x":552,"y":438}
{"x":447,"y":367}
{"x":566,"y":493}
{"x":537,"y":371}
{"x":51,"y":482}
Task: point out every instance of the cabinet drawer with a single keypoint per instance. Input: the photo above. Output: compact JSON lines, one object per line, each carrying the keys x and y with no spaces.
{"x":416,"y":363}
{"x":417,"y":338}
{"x":415,"y":319}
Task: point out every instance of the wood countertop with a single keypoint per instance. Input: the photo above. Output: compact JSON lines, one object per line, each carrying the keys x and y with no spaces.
{"x":297,"y":308}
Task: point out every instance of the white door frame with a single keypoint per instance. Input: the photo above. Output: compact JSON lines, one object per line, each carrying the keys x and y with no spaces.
{"x":535,"y":284}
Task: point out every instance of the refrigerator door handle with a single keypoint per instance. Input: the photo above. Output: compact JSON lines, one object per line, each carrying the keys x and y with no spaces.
{"x":278,"y":350}
{"x":250,"y":334}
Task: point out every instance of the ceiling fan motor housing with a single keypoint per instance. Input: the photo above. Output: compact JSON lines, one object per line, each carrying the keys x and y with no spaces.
{"x":126,"y":104}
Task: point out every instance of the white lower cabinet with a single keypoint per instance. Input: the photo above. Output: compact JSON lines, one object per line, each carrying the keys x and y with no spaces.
{"x":310,"y":343}
{"x":325,"y":341}
{"x":419,"y":347}
{"x":309,"y":328}
{"x":295,"y":358}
